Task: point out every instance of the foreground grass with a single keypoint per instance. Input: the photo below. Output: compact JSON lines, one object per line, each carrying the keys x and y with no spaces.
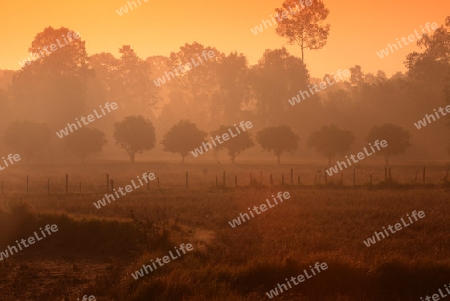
{"x":245,"y":262}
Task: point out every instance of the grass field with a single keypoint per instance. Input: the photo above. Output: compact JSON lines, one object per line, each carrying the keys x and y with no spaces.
{"x":96,"y":250}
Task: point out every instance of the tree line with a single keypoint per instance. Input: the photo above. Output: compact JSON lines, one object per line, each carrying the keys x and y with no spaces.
{"x":70,"y":82}
{"x":135,"y":135}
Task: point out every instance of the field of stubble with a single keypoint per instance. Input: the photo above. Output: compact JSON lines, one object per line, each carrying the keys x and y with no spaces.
{"x":96,"y":250}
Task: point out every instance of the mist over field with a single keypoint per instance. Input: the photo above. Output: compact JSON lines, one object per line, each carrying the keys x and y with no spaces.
{"x":286,"y":150}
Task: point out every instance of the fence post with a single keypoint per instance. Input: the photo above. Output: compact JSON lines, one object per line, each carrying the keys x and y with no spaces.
{"x":112,"y":185}
{"x":423,"y":175}
{"x":271,"y":180}
{"x":446,"y":175}
{"x":107,"y":182}
{"x":354,"y":177}
{"x":67,"y":183}
{"x":217,"y":183}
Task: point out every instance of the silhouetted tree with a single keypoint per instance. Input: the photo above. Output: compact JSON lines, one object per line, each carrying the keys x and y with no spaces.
{"x":198,"y":81}
{"x":235,"y":145}
{"x":398,"y":139}
{"x":277,"y":77}
{"x":84,"y":142}
{"x":53,"y":87}
{"x":278,"y":139}
{"x":4,"y":108}
{"x":427,"y":70}
{"x":26,"y":137}
{"x":232,"y":75}
{"x":182,"y":138}
{"x":357,"y":75}
{"x":331,"y":141}
{"x":135,"y":135}
{"x":136,"y":92}
{"x":305,"y":27}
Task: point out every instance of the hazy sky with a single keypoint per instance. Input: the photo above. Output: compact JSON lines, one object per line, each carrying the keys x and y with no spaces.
{"x":358,"y":28}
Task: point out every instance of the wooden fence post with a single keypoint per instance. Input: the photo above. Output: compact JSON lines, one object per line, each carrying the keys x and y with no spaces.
{"x":112,"y":185}
{"x":354,"y":177}
{"x":423,"y":175}
{"x":217,"y":184}
{"x":67,"y":183}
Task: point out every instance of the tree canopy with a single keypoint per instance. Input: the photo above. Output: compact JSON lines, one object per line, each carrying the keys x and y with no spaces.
{"x":398,"y":139}
{"x":278,"y":139}
{"x":331,"y":141}
{"x":135,"y":135}
{"x":182,"y":138}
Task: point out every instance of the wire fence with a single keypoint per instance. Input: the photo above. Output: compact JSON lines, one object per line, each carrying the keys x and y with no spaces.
{"x":351,"y":178}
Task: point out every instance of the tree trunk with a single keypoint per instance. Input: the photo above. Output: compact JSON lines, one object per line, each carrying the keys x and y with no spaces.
{"x":303,"y":41}
{"x":302,"y":54}
{"x":131,"y":157}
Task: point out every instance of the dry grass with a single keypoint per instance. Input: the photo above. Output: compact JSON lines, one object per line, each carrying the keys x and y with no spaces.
{"x":96,"y":250}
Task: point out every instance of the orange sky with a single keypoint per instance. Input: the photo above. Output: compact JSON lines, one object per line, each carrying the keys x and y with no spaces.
{"x":359,"y":28}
